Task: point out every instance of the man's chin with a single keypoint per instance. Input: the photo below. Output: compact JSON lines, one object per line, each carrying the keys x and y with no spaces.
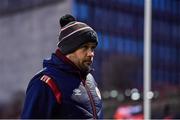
{"x":86,"y":68}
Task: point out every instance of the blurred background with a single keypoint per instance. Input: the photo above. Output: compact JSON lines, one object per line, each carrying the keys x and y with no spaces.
{"x":29,"y":33}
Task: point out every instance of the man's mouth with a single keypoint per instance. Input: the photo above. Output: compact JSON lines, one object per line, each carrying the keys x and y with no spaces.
{"x":88,"y":62}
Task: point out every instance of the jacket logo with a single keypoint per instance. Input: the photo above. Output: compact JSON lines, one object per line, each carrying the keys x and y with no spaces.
{"x":77,"y":92}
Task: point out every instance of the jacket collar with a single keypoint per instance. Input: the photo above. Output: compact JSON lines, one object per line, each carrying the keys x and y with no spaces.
{"x":62,"y":57}
{"x":74,"y":68}
{"x":60,"y":61}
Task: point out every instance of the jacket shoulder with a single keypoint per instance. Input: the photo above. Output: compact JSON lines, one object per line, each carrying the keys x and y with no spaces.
{"x":35,"y":79}
{"x":38,"y":92}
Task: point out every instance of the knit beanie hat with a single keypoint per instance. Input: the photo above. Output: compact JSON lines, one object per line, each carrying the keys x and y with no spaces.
{"x":73,"y":34}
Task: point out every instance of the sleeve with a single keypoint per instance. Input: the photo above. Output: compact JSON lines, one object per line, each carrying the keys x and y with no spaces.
{"x":39,"y":101}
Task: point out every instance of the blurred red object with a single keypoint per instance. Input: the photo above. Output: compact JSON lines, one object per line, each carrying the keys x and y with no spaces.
{"x":129,"y":112}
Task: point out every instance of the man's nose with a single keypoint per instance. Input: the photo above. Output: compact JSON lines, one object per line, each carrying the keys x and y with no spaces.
{"x":91,"y":53}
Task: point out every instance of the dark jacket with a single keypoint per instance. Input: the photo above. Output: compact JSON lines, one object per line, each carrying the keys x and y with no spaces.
{"x":80,"y":97}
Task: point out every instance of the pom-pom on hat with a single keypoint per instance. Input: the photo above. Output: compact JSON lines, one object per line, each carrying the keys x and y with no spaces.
{"x":73,"y":34}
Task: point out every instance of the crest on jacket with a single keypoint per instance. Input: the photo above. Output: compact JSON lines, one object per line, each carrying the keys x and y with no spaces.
{"x":77,"y":92}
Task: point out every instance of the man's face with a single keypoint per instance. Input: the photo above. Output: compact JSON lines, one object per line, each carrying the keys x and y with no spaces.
{"x":83,"y":57}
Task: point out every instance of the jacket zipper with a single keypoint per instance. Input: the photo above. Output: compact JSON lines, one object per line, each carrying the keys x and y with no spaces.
{"x":91,"y":100}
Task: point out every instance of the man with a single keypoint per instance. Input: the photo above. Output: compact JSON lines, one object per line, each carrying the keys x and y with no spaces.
{"x":65,"y":88}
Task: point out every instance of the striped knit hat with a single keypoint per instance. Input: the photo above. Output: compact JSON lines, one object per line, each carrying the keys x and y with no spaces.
{"x":73,"y":34}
